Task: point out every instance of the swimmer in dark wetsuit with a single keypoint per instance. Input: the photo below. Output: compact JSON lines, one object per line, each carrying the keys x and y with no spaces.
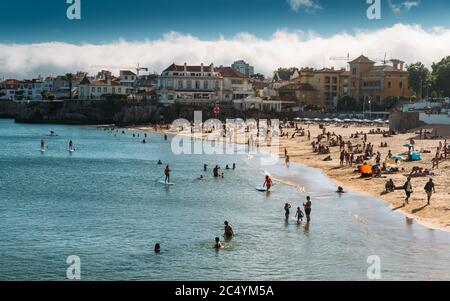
{"x":229,"y":233}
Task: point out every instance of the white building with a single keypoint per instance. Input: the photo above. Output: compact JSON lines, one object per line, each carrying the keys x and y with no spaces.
{"x":243,"y":68}
{"x":202,"y":84}
{"x":189,"y":84}
{"x":101,"y":89}
{"x":235,"y":84}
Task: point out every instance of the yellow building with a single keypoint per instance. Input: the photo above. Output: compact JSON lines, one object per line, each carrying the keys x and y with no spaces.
{"x":330,"y":85}
{"x":377,"y":83}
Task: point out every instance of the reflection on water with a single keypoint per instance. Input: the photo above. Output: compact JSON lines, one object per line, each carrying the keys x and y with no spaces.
{"x":103,"y":203}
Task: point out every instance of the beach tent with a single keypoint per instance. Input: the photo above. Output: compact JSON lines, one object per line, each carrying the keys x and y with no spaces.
{"x":366,"y":169}
{"x":399,"y":158}
{"x":416,"y":157}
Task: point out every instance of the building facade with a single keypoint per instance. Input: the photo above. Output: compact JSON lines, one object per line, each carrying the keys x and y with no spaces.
{"x":377,"y":83}
{"x":101,"y":89}
{"x":244,"y":68}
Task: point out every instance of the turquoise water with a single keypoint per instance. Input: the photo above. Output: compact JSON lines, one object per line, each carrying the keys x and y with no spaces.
{"x":103,"y":204}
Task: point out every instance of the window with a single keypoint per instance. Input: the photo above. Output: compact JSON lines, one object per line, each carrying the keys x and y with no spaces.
{"x":105,"y":90}
{"x":113,"y":90}
{"x":180,"y":84}
{"x":93,"y":89}
{"x":99,"y":90}
{"x":189,"y":84}
{"x":389,"y":85}
{"x":206,"y":85}
{"x":197,"y":85}
{"x":217,"y":84}
{"x":120,"y":90}
{"x":354,"y":71}
{"x":401,"y":85}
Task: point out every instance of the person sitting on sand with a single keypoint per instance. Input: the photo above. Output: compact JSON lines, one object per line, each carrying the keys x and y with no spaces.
{"x":229,"y":233}
{"x":218,"y":244}
{"x":390,"y":186}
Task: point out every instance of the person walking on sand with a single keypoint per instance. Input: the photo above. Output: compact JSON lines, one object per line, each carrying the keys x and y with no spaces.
{"x":308,"y":208}
{"x":408,"y":190}
{"x":429,"y":189}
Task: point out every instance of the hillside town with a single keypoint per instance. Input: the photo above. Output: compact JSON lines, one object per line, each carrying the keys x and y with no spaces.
{"x":364,"y":81}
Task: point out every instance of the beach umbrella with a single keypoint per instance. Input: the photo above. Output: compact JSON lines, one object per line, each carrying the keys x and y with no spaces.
{"x":347,"y":120}
{"x":337,"y":120}
{"x":298,"y":119}
{"x":317,"y":119}
{"x":306,"y":119}
{"x":387,"y":121}
{"x":327,"y":120}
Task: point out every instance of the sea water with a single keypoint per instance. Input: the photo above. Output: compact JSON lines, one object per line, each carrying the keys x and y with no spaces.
{"x":104,"y":204}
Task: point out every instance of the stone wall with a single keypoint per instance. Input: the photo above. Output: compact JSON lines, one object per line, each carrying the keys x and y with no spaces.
{"x":402,"y":121}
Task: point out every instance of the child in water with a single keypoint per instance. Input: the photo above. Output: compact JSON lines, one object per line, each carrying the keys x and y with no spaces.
{"x":218,"y":244}
{"x":299,"y":215}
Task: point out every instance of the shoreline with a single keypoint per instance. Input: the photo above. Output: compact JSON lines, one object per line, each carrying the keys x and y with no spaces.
{"x":436,"y":217}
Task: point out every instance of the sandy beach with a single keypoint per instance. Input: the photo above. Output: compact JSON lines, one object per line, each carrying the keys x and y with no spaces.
{"x":300,"y":150}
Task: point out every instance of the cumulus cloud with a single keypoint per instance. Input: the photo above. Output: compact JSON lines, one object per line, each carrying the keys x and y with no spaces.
{"x":307,"y":5}
{"x":411,"y":43}
{"x":404,"y":6}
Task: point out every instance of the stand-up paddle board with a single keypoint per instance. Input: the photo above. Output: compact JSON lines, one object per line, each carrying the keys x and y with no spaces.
{"x":165,"y":183}
{"x":42,"y":150}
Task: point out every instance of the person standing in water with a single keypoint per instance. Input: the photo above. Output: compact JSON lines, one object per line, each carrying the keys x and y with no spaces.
{"x":218,"y":244}
{"x":287,"y":161}
{"x":42,"y":144}
{"x":307,"y":207}
{"x":287,"y":211}
{"x":157,"y":248}
{"x":167,"y":174}
{"x":229,"y":233}
{"x":71,"y":145}
{"x":299,"y":215}
{"x":268,"y":183}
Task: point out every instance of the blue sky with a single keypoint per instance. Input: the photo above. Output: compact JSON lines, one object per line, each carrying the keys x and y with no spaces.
{"x":104,"y":21}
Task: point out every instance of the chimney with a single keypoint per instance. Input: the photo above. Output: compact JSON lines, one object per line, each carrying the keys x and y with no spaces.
{"x":212,"y":67}
{"x":201,"y":68}
{"x":185,"y":67}
{"x":401,"y":65}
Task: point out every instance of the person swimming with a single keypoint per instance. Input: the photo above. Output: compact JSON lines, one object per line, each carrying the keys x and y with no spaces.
{"x":227,"y":167}
{"x":159,"y":162}
{"x":205,"y":167}
{"x":229,"y":233}
{"x":218,"y":244}
{"x":143,"y":141}
{"x":216,"y":171}
{"x":234,"y":166}
{"x":157,"y":248}
{"x":200,"y":178}
{"x":268,"y":183}
{"x":340,"y":190}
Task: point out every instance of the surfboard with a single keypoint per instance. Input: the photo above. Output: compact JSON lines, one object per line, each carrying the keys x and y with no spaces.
{"x":42,"y":150}
{"x":263,"y":189}
{"x":167,"y":184}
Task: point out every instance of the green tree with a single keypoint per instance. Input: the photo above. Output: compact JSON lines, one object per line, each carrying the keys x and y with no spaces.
{"x":419,"y":77}
{"x":69,"y":78}
{"x":441,"y":76}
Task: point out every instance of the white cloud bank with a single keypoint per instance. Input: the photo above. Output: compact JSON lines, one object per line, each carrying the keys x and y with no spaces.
{"x":301,"y":49}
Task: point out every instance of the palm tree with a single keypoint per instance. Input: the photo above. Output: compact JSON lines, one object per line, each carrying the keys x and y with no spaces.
{"x":69,"y":77}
